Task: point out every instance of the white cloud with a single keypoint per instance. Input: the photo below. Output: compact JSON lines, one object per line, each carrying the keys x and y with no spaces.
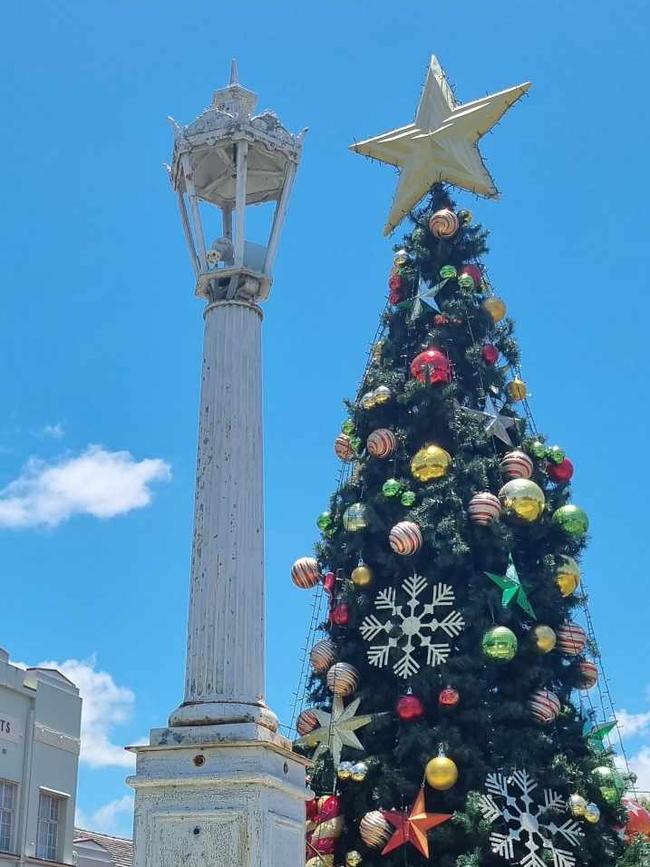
{"x":115,"y":817}
{"x":97,"y":482}
{"x":105,"y":705}
{"x":52,"y":431}
{"x":640,"y":765}
{"x":631,"y":724}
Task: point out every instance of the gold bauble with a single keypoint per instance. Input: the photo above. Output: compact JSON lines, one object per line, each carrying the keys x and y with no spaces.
{"x":430,"y":462}
{"x":567,"y":576}
{"x":362,"y":576}
{"x":523,"y":500}
{"x":359,"y":771}
{"x":591,"y":814}
{"x":382,"y":395}
{"x":495,"y":307}
{"x":344,"y":771}
{"x":517,"y":389}
{"x":544,"y":637}
{"x":577,"y":806}
{"x":441,"y":773}
{"x":353,"y":858}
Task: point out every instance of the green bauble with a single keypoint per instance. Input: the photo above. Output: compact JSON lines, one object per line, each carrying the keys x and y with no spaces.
{"x":499,"y":644}
{"x":538,"y":449}
{"x":466,"y":281}
{"x":391,"y":488}
{"x":611,"y":795}
{"x":348,"y":426}
{"x":355,"y":517}
{"x":573,"y":520}
{"x":555,"y":454}
{"x":447,"y":272}
{"x":407,"y":498}
{"x":324,"y":521}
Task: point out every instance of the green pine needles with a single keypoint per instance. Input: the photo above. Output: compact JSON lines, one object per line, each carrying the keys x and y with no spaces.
{"x":516,"y":734}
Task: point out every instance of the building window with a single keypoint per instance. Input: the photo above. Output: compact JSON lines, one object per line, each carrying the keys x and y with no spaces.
{"x":8,"y":797}
{"x":50,"y":812}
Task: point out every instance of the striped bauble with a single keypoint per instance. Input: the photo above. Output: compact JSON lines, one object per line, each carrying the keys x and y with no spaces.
{"x":444,"y":224}
{"x":588,"y":674}
{"x":571,"y":639}
{"x":306,"y":722}
{"x":322,"y":655}
{"x":305,"y":572}
{"x":544,"y":705}
{"x":516,"y":465}
{"x":405,"y":538}
{"x":381,"y":443}
{"x":342,"y":679}
{"x":375,"y":830}
{"x":484,"y":508}
{"x":343,"y":447}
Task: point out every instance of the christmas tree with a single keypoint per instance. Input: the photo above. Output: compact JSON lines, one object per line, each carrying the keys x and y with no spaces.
{"x":450,"y":714}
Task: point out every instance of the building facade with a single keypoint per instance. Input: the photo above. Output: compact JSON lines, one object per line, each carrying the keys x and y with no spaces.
{"x":40,"y":721}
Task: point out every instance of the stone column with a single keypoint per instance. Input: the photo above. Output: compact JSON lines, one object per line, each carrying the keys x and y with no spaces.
{"x":224,"y":681}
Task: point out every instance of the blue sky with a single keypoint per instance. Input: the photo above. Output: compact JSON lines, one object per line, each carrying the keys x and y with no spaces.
{"x":101,"y":335}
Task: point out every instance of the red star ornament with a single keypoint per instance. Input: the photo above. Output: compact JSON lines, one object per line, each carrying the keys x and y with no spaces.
{"x":412,"y":828}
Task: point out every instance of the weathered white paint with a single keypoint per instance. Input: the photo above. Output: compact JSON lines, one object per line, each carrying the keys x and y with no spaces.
{"x":226,"y":804}
{"x":225,"y":645}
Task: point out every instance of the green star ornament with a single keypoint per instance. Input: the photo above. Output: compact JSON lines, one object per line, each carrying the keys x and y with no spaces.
{"x":336,"y":730}
{"x":513,"y":589}
{"x":597,"y":733}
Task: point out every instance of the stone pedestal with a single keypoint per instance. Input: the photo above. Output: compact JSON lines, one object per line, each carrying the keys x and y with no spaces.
{"x":208,"y":796}
{"x":207,"y":799}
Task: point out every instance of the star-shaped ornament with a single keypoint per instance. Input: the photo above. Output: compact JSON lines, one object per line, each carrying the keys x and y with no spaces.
{"x":596,"y":734}
{"x":336,"y":730}
{"x":497,"y":425}
{"x":412,"y":827}
{"x":513,"y":589}
{"x":441,"y":144}
{"x":426,"y":295}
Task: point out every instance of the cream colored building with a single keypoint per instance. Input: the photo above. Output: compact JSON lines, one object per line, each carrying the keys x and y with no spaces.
{"x":40,"y":718}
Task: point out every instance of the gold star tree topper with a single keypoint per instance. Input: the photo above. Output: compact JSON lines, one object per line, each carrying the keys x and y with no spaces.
{"x":441,"y":144}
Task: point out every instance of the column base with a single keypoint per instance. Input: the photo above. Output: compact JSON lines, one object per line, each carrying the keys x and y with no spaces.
{"x":219,"y":713}
{"x":218,"y":802}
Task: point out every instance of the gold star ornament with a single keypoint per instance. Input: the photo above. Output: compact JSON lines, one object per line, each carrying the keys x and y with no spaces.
{"x":441,"y":144}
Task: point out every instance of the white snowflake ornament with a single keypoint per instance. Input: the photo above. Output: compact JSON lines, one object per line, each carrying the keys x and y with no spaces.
{"x":411,"y":627}
{"x":529,"y":826}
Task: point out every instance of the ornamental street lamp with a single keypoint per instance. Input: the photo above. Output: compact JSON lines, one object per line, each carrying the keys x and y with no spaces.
{"x":229,"y":160}
{"x":219,"y":784}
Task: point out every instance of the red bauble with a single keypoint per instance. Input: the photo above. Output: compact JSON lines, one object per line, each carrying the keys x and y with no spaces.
{"x":560,"y":472}
{"x":329,"y":582}
{"x":395,"y":283}
{"x":409,"y":708}
{"x":394,"y":297}
{"x":431,"y":366}
{"x":312,"y":808}
{"x":490,"y":353}
{"x":330,"y":808}
{"x":440,"y":319}
{"x":474,"y":272}
{"x":340,"y":615}
{"x":449,"y":697}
